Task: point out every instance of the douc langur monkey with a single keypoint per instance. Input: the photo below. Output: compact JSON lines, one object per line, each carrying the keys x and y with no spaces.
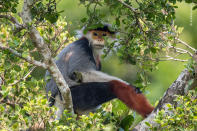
{"x":83,"y":57}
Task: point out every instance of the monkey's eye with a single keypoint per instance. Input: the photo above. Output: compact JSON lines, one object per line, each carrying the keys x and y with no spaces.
{"x":104,"y":34}
{"x":95,"y":34}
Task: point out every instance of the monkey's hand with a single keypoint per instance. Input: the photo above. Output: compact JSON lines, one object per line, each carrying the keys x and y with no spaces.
{"x":76,"y":76}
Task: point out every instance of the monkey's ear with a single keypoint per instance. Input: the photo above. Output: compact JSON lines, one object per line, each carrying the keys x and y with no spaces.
{"x":82,"y":32}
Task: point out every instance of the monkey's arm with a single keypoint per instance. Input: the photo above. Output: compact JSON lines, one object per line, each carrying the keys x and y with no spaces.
{"x":130,"y":95}
{"x":94,"y":76}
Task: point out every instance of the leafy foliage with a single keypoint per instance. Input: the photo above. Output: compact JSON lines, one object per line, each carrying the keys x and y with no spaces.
{"x":180,"y":117}
{"x":146,"y":32}
{"x":23,"y":101}
{"x":8,"y":6}
{"x":22,"y":96}
{"x":45,"y":10}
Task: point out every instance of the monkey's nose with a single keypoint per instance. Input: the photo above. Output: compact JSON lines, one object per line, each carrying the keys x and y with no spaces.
{"x":100,"y":40}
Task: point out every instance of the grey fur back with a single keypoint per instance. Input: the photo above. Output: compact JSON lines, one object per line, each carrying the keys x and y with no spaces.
{"x":77,"y":56}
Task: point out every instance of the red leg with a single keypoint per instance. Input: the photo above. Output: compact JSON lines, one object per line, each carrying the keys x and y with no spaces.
{"x":131,"y":98}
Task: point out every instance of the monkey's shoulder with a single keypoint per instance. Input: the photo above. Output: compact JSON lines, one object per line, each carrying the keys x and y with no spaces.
{"x":77,"y":56}
{"x":80,"y":47}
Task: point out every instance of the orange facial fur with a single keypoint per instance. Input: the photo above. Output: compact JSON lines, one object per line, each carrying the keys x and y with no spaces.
{"x":96,"y":38}
{"x":99,"y":35}
{"x":133,"y":100}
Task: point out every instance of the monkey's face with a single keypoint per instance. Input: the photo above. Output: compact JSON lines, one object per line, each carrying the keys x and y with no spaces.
{"x":97,"y":38}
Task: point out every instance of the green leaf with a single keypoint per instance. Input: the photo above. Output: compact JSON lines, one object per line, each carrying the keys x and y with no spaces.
{"x":148,"y":124}
{"x":13,"y":10}
{"x":195,"y":7}
{"x":52,"y":17}
{"x":25,"y":54}
{"x":15,"y":125}
{"x":17,"y":68}
{"x":117,"y":21}
{"x":153,"y":50}
{"x":48,"y":78}
{"x":146,"y":51}
{"x":84,"y":20}
{"x":127,"y":122}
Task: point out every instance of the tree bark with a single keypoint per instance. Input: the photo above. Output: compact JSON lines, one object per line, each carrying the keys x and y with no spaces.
{"x":46,"y":53}
{"x":179,"y":87}
{"x":1,"y":82}
{"x":28,"y":58}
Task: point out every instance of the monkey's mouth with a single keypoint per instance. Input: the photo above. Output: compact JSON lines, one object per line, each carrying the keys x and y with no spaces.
{"x":99,"y":46}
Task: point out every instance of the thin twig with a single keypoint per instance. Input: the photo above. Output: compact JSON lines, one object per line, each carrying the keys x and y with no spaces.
{"x":128,"y":6}
{"x":25,"y":77}
{"x":10,"y":18}
{"x":180,"y":49}
{"x":134,"y":10}
{"x":1,"y":81}
{"x":28,"y":59}
{"x":168,"y":59}
{"x":175,"y":59}
{"x":137,"y":2}
{"x":179,"y":53}
{"x":13,"y":20}
{"x":60,"y":45}
{"x":8,"y":103}
{"x":187,"y":45}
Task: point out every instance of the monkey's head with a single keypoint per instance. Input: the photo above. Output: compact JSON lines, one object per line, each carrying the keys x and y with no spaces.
{"x":97,"y":36}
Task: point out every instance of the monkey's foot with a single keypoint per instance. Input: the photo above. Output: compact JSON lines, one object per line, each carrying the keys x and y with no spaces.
{"x":76,"y":76}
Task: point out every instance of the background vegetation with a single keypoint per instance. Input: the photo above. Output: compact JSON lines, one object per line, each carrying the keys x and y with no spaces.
{"x":24,"y":114}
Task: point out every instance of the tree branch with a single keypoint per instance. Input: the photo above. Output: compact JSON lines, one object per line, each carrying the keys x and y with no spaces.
{"x":25,"y":77}
{"x":184,"y":43}
{"x":28,"y":59}
{"x":128,"y":6}
{"x":1,"y":82}
{"x":14,"y":21}
{"x":179,"y":87}
{"x":175,"y":59}
{"x":46,"y":53}
{"x":180,"y":50}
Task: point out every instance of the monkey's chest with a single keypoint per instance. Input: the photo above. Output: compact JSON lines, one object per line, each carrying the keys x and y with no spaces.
{"x":98,"y":63}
